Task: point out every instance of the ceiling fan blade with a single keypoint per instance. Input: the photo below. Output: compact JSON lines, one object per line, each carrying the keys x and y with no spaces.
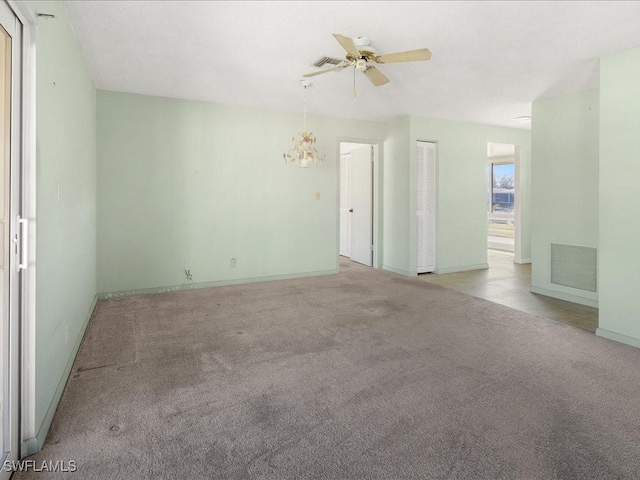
{"x":325,"y":70}
{"x":376,"y":76}
{"x":348,"y":44}
{"x":409,"y":56}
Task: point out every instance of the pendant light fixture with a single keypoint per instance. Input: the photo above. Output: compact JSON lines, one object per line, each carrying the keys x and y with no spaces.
{"x":304,"y":153}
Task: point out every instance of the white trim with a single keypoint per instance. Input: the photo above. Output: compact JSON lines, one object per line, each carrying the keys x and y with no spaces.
{"x":517,"y":214}
{"x":22,"y":12}
{"x":618,"y":337}
{"x":378,"y":146}
{"x":589,"y":302}
{"x":522,"y":261}
{"x":218,"y":283}
{"x":399,"y":271}
{"x":517,"y":234}
{"x":344,"y":161}
{"x":463,"y":268}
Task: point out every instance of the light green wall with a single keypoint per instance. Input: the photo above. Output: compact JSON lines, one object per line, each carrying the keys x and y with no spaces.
{"x":396,"y":195}
{"x":565,"y":139}
{"x":462,"y":188}
{"x":180,"y":187}
{"x":184,"y":183}
{"x":619,"y":199}
{"x":194,"y":184}
{"x":66,"y":205}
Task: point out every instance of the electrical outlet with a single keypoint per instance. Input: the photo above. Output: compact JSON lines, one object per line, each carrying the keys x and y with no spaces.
{"x":234,"y":262}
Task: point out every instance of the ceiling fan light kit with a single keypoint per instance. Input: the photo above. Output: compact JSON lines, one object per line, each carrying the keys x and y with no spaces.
{"x":361,"y":55}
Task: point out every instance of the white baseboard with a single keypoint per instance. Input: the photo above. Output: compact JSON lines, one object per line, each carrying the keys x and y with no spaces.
{"x":218,"y":283}
{"x":399,"y":271}
{"x":34,"y":445}
{"x":618,"y":337}
{"x":463,"y":268}
{"x":523,"y":261}
{"x":589,"y":302}
{"x":30,"y":446}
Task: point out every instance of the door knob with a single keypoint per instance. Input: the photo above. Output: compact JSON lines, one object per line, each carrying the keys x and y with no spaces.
{"x":351,"y":210}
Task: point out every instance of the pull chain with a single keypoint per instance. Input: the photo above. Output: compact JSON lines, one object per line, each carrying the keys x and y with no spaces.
{"x":304,"y":102}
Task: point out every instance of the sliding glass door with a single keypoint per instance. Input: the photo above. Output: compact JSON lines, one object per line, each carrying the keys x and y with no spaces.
{"x":10,"y":151}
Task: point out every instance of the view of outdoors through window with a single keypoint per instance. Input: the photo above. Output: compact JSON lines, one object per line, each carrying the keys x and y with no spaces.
{"x":500,"y":205}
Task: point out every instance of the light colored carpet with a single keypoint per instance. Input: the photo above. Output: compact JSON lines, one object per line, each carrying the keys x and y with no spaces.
{"x":361,"y":375}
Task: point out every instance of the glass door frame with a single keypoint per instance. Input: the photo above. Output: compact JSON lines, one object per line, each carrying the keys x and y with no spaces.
{"x":24,"y":204}
{"x":11,"y":204}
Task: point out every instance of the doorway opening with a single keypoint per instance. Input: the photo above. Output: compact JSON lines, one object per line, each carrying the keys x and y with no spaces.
{"x":502,"y":197}
{"x":357,"y":162}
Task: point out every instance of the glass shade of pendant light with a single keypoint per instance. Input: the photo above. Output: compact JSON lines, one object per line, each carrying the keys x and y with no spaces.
{"x":303,"y":153}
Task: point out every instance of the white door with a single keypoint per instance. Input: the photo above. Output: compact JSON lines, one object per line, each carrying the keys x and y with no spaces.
{"x":345,"y":224}
{"x":426,"y":206}
{"x":10,"y":134}
{"x":361,"y":205}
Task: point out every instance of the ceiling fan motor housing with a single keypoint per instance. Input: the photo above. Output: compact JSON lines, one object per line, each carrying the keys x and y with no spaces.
{"x":360,"y":54}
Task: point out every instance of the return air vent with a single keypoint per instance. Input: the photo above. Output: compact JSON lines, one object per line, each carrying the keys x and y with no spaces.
{"x":327,"y":60}
{"x":575,"y":267}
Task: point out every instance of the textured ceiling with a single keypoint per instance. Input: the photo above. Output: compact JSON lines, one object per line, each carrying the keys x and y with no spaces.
{"x":490,"y":59}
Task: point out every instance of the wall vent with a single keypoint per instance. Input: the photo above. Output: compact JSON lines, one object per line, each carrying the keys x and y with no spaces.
{"x":327,"y":60}
{"x":575,"y":267}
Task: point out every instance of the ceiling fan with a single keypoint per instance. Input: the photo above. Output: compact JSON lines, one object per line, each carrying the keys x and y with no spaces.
{"x":360,"y":55}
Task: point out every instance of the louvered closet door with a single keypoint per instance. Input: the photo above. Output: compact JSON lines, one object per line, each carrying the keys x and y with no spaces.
{"x":426,"y":206}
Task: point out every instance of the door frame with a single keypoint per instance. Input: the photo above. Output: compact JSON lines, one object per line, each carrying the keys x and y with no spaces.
{"x":517,"y":214}
{"x":360,"y":217}
{"x":346,"y":158}
{"x":503,"y":160}
{"x":27,"y":441}
{"x":377,"y":197}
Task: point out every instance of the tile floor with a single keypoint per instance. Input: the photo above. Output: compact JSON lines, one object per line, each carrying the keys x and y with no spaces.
{"x":508,"y":283}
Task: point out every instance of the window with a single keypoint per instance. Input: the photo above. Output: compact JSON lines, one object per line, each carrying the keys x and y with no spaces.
{"x":502,"y":188}
{"x":501,"y":194}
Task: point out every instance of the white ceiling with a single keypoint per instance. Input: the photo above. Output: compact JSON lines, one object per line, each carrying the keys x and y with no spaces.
{"x":490,"y":59}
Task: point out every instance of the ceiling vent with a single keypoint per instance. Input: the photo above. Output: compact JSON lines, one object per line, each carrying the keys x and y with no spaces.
{"x":327,"y":61}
